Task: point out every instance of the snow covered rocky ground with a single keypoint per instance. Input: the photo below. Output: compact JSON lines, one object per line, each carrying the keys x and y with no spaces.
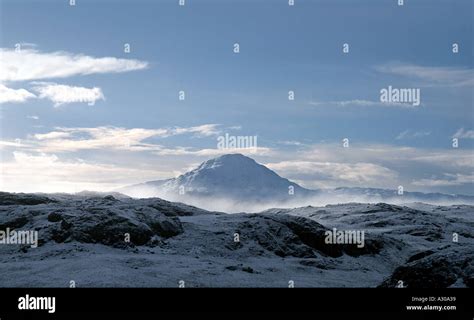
{"x":83,"y":238}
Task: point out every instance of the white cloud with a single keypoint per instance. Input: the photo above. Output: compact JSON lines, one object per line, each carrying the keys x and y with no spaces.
{"x":25,"y":45}
{"x":376,"y":165}
{"x":313,"y":166}
{"x":11,"y":144}
{"x":383,"y":153}
{"x":74,"y":139}
{"x":37,"y":164}
{"x":445,"y":76}
{"x":33,"y":117}
{"x":115,"y":138}
{"x":14,"y":95}
{"x":412,"y":134}
{"x":52,"y":135}
{"x":460,"y":159}
{"x":48,"y":173}
{"x":334,"y":174}
{"x":291,"y":143}
{"x":204,"y":130}
{"x":466,"y":134}
{"x":447,"y":181}
{"x":360,"y":103}
{"x":183,"y":151}
{"x":62,"y":94}
{"x":30,"y":64}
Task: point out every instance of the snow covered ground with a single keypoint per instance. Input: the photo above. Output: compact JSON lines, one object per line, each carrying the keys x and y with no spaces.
{"x":83,"y":238}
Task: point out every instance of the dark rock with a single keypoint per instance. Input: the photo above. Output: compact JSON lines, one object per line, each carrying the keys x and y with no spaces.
{"x":247,"y":269}
{"x":7,"y":199}
{"x":371,"y":246}
{"x":60,"y":235}
{"x":311,"y":234}
{"x":160,"y":224}
{"x":273,"y":236}
{"x":318,"y":264}
{"x":287,"y":235}
{"x":420,"y":255}
{"x":109,"y":229}
{"x":14,"y":223}
{"x":166,"y":226}
{"x":65,"y":225}
{"x":436,"y":270}
{"x":54,"y":217}
{"x":429,"y":232}
{"x":99,"y":222}
{"x":383,"y":207}
{"x":173,"y":209}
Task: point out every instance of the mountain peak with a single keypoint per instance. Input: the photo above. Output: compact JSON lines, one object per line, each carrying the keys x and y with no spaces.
{"x":231,"y":175}
{"x":230,"y":159}
{"x":233,"y":156}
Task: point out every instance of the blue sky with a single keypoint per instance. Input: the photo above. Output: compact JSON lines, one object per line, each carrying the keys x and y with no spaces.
{"x":282,"y":48}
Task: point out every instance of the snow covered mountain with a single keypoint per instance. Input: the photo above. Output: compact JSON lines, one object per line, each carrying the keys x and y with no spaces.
{"x":232,"y":176}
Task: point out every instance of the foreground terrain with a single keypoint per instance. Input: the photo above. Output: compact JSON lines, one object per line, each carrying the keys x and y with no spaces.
{"x":116,"y":241}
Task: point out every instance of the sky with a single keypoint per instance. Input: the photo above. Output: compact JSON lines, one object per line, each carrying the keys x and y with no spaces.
{"x":78,"y":111}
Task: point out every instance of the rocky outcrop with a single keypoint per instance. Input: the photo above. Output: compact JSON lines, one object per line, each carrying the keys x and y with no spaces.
{"x":104,"y":220}
{"x":287,"y":235}
{"x":26,"y":199}
{"x":440,"y":269}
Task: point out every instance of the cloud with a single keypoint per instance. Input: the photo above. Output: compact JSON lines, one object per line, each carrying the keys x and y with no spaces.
{"x":33,"y":117}
{"x":376,"y":165}
{"x":108,"y":138}
{"x":291,"y":143}
{"x":360,"y":103}
{"x":28,"y":172}
{"x":115,"y":138}
{"x":205,"y":130}
{"x":407,"y":134}
{"x":460,"y":159}
{"x":11,"y":144}
{"x":24,"y":45}
{"x":52,"y":135}
{"x":384,"y":153}
{"x":74,"y":139}
{"x":14,"y":95}
{"x":466,"y":134}
{"x":30,"y":64}
{"x":334,"y":174}
{"x":320,"y":165}
{"x":184,"y":151}
{"x":443,"y":76}
{"x":62,"y":94}
{"x":447,"y":181}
